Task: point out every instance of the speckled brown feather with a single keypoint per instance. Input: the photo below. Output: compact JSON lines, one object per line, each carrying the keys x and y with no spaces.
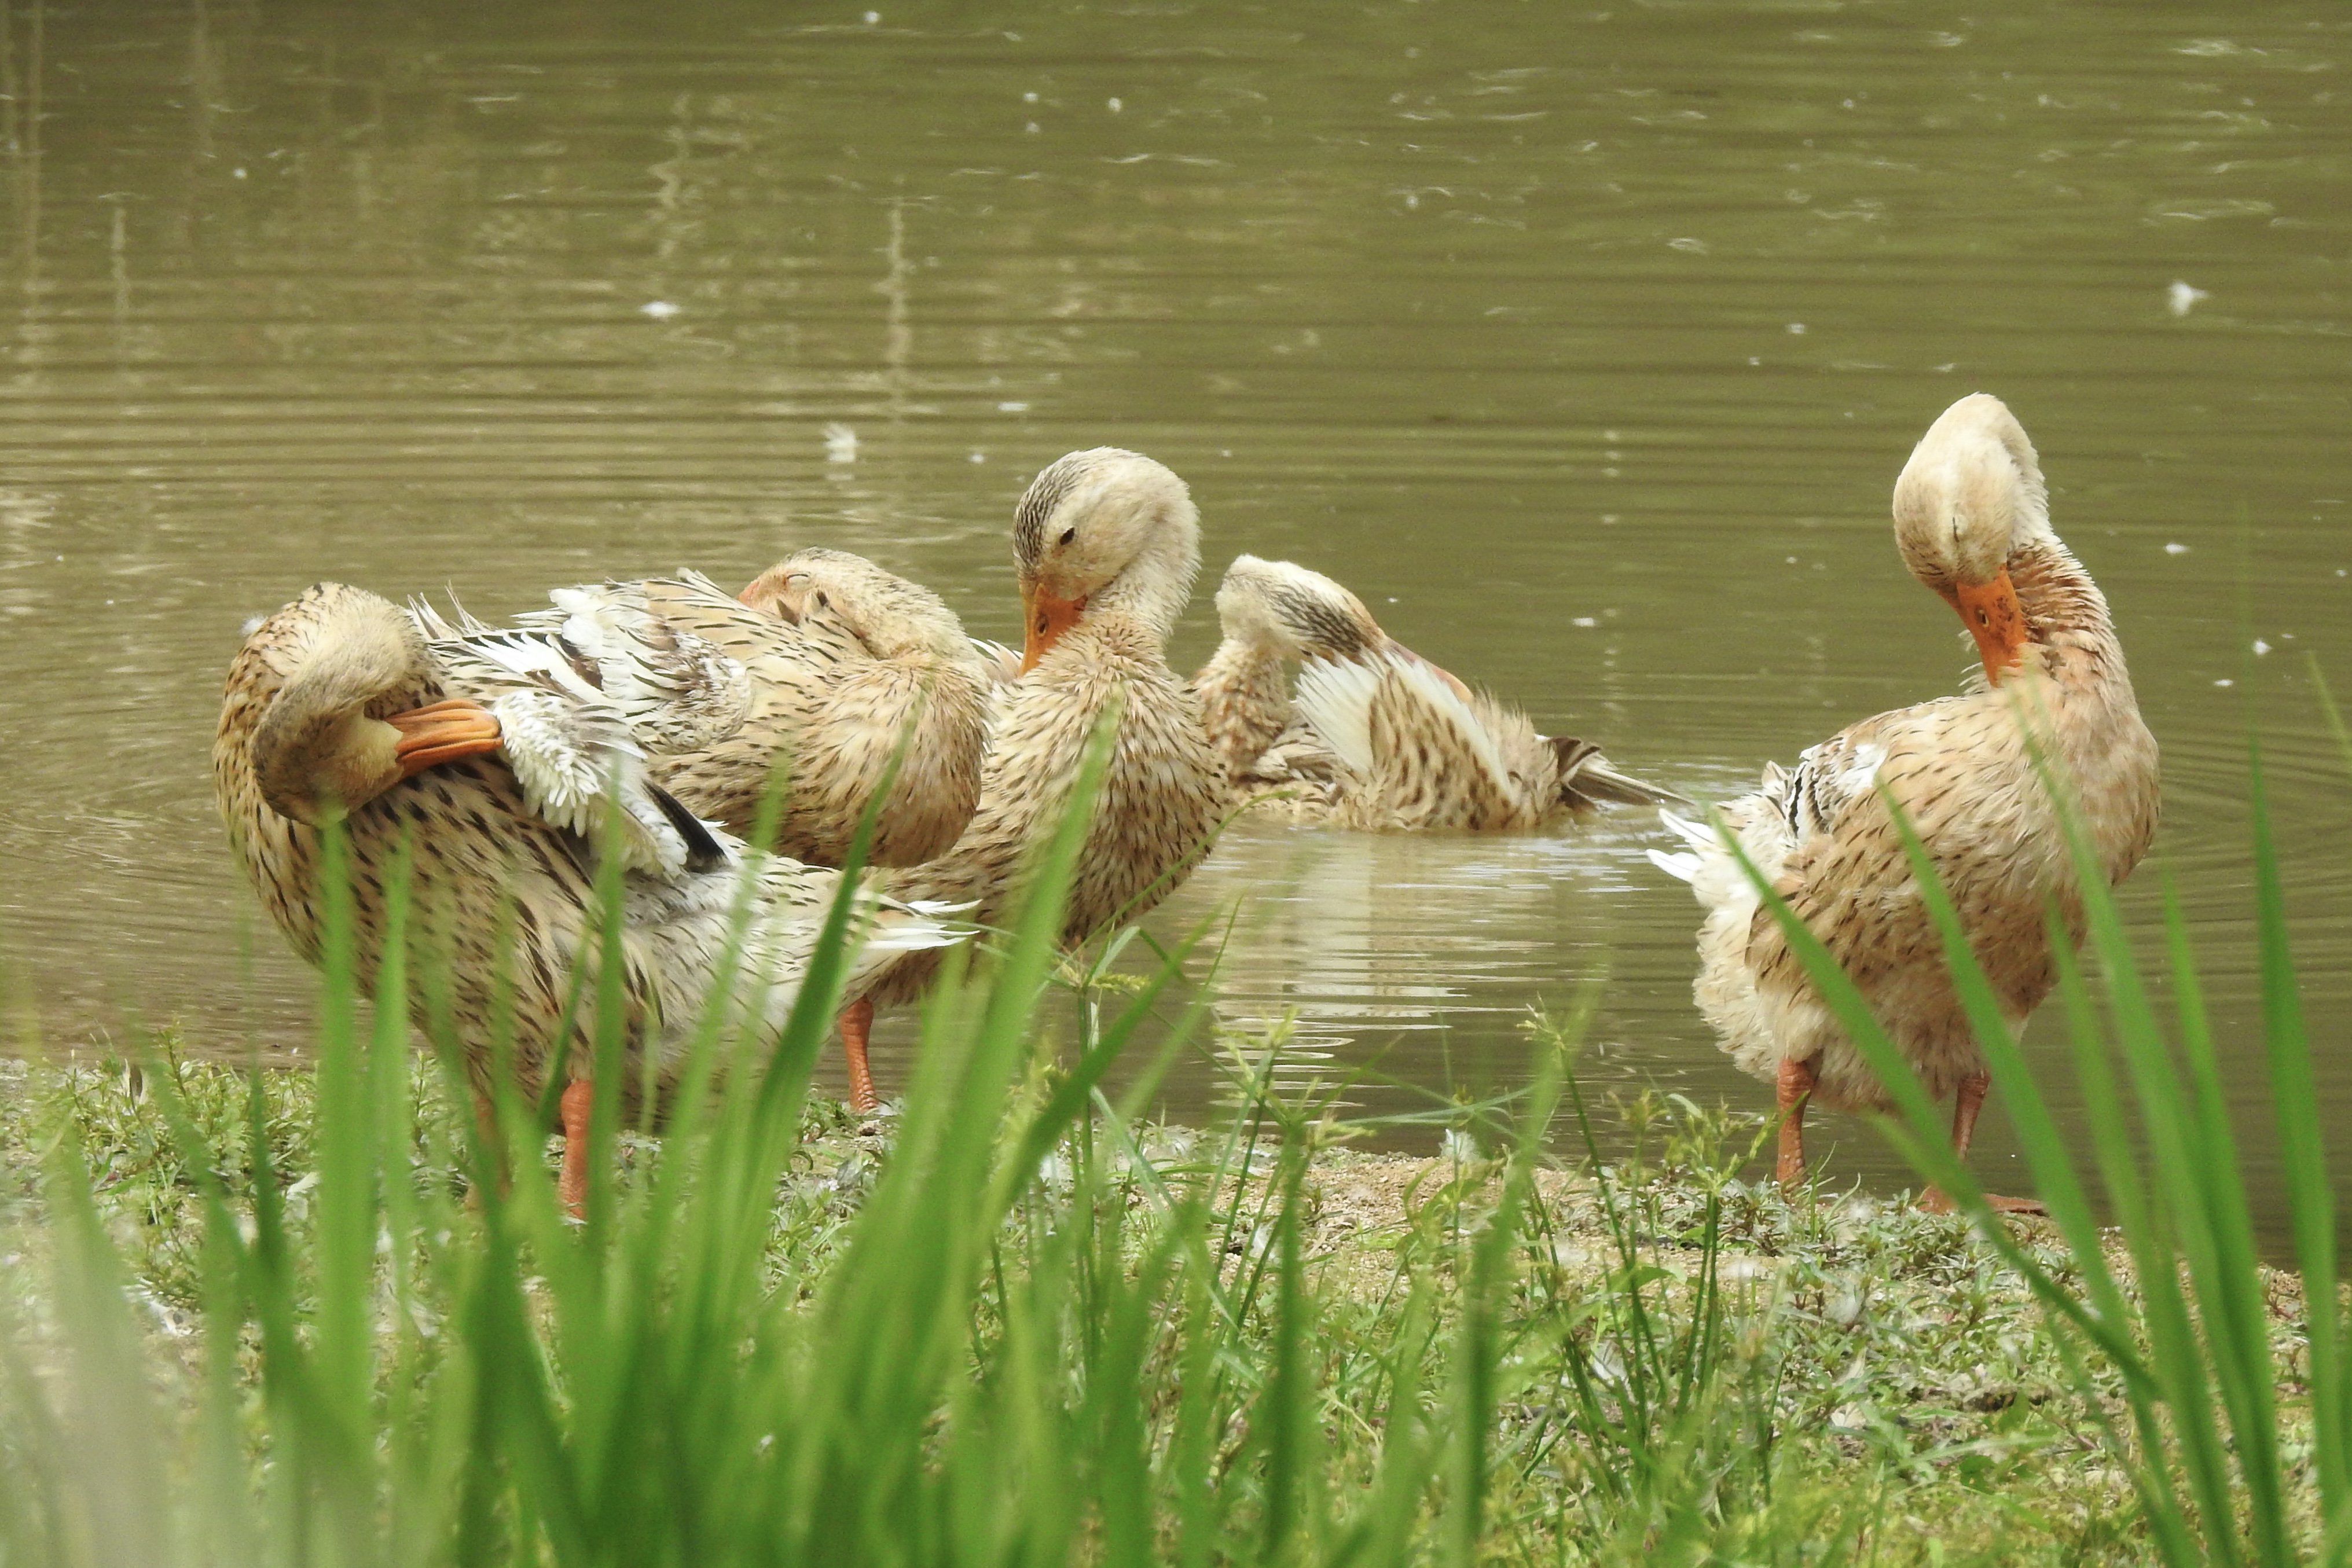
{"x":1244,"y":695}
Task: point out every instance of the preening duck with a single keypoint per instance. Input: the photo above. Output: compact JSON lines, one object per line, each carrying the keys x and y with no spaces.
{"x":876,"y":668}
{"x":1105,"y":544}
{"x":1972,"y":521}
{"x":815,"y":679}
{"x":494,"y":761}
{"x":1378,"y":737}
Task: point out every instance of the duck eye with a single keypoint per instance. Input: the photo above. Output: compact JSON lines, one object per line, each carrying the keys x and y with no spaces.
{"x":1069,"y":534}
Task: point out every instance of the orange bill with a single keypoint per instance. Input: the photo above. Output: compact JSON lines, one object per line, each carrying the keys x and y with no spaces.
{"x":767,"y":592}
{"x":761,"y":592}
{"x":442,"y":732}
{"x":1044,"y":619}
{"x":1990,"y":612}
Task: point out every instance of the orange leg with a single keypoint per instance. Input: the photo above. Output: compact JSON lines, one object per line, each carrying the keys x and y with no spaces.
{"x":1791,"y":1090}
{"x":486,"y":1119}
{"x":1965,"y":1106}
{"x":856,"y":1023}
{"x":442,"y":732}
{"x":571,"y":1182}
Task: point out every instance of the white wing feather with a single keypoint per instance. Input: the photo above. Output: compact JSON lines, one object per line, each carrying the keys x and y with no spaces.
{"x":570,"y":750}
{"x":678,"y":691}
{"x":1335,"y":698}
{"x":1684,"y":867}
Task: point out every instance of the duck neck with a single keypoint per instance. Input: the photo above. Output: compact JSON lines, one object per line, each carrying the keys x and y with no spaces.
{"x":896,"y":629}
{"x":920,"y":647}
{"x":1244,"y":701}
{"x":2066,"y":616}
{"x":1153,"y":590}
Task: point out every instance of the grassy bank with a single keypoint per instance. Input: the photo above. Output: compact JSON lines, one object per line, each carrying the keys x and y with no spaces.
{"x":1683,"y":1358}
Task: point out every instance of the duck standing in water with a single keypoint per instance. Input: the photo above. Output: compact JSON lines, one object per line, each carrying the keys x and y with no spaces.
{"x":492,"y":762}
{"x":1378,"y":738}
{"x":1973,"y":520}
{"x":1106,"y":543}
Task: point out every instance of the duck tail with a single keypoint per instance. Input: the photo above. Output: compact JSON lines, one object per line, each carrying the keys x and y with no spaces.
{"x":1587,"y":778}
{"x":912,"y":926}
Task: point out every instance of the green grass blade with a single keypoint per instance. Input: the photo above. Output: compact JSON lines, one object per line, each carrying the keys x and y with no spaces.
{"x":2044,"y":1146}
{"x":1478,"y":1347}
{"x":1280,"y":1419}
{"x":2241,"y":1363}
{"x":2311,"y":1196}
{"x":111,"y":1457}
{"x":2233,"y":1350}
{"x":344,"y":1241}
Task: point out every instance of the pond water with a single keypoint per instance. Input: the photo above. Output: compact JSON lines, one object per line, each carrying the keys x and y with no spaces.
{"x":1584,"y":342}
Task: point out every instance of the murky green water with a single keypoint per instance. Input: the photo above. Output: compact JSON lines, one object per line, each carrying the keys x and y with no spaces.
{"x":1585,"y":344}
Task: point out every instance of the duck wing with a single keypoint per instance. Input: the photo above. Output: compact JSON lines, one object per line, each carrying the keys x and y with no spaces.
{"x":574,"y":751}
{"x":1790,"y":825}
{"x":1417,"y":748}
{"x":665,"y":650}
{"x":1820,"y":839}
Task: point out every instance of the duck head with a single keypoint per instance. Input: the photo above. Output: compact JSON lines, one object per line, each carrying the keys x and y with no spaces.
{"x":338,"y":732}
{"x":1968,"y":501}
{"x":1103,"y":532}
{"x":893,"y":617}
{"x":1277,"y":608}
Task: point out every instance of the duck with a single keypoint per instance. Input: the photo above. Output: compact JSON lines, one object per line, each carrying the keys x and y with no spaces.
{"x":1973,"y":523}
{"x":1105,"y":546}
{"x":1269,"y":615}
{"x":1377,"y":738}
{"x":497,"y":780}
{"x":820,"y":676}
